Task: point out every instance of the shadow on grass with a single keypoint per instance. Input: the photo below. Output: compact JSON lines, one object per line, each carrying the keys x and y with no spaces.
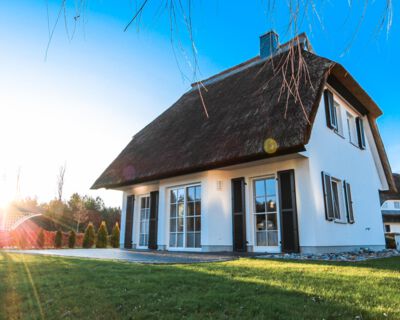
{"x":246,"y":288}
{"x":388,"y":264}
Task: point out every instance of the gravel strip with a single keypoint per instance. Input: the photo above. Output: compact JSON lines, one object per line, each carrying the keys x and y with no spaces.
{"x":353,"y":256}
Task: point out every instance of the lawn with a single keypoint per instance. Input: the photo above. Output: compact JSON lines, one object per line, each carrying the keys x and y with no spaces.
{"x":40,"y":287}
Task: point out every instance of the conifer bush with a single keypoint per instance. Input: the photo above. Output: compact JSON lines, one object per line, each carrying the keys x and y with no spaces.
{"x":58,"y":239}
{"x":71,"y":239}
{"x":40,"y":239}
{"x":115,"y":236}
{"x":89,"y":237}
{"x":102,"y":236}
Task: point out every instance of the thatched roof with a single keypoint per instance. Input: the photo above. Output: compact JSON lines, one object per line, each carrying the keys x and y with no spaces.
{"x":245,"y":108}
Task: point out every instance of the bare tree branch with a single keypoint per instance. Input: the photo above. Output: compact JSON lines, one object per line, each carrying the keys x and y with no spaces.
{"x":60,"y":181}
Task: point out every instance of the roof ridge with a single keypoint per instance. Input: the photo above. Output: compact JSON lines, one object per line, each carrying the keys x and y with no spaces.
{"x":297,"y":40}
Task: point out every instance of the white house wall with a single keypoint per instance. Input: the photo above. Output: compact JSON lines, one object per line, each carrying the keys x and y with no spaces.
{"x":394,"y":227}
{"x":216,"y":219}
{"x":326,"y":152}
{"x":335,"y":155}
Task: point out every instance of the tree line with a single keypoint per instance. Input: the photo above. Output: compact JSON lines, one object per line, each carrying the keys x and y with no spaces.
{"x":73,"y":214}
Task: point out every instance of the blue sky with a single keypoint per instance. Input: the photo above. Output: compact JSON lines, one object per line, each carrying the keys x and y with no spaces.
{"x":82,"y":104}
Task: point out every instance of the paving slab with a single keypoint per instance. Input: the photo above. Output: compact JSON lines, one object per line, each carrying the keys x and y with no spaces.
{"x":138,"y":256}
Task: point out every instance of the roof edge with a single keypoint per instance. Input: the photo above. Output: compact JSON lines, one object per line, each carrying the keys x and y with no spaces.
{"x":211,"y":166}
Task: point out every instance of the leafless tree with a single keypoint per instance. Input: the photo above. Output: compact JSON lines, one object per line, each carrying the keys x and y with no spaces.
{"x":299,"y":12}
{"x":18,"y":184}
{"x":60,"y":181}
{"x":81,"y":215}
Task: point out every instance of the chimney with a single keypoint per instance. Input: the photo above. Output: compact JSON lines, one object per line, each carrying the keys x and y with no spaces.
{"x":269,"y":44}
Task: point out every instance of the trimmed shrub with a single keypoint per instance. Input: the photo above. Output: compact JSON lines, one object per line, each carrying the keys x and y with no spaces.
{"x":71,"y":239}
{"x":40,"y":239}
{"x":115,"y":236}
{"x":102,"y":236}
{"x":88,"y":238}
{"x":58,"y":239}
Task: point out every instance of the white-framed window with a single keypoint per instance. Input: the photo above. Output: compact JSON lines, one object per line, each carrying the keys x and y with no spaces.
{"x":338,"y":117}
{"x":352,"y":128}
{"x":185,"y":217}
{"x":397,"y":204}
{"x":387,"y":227}
{"x":265,"y":212}
{"x":337,"y":199}
{"x":144,"y":221}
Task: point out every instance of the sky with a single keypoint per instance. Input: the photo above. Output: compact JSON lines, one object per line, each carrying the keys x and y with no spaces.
{"x":79,"y":98}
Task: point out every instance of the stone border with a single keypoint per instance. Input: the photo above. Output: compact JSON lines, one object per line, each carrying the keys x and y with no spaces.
{"x":352,"y":256}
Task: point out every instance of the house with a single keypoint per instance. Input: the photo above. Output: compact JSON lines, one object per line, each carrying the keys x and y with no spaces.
{"x":266,"y":171}
{"x":390,"y":202}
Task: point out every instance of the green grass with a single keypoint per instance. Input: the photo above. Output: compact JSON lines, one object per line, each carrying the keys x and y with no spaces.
{"x":41,"y":287}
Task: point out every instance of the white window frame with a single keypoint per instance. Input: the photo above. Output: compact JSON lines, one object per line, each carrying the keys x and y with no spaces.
{"x":338,"y":115}
{"x":253,"y":216}
{"x":352,"y":128}
{"x":140,"y":221}
{"x":185,"y":187}
{"x":341,"y":201}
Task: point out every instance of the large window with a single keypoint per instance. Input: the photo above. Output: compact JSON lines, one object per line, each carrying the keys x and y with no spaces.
{"x":144,"y":221}
{"x":266,"y":224}
{"x":185,"y":217}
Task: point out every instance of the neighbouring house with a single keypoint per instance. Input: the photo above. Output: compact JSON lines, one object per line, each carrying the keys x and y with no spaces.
{"x":266,"y":171}
{"x":390,"y":201}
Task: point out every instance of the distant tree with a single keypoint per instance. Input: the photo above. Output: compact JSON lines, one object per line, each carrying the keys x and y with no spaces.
{"x":115,"y":236}
{"x":58,"y":239}
{"x":40,"y":239}
{"x":71,"y":239}
{"x":79,"y":211}
{"x":60,"y":181}
{"x":89,"y":237}
{"x":102,"y":236}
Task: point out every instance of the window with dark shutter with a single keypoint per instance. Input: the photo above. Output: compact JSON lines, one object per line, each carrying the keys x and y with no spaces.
{"x":331,"y":117}
{"x":327,"y":188}
{"x":360,"y":133}
{"x":349,"y":202}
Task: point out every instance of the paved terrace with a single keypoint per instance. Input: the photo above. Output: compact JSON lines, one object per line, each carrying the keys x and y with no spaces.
{"x":157,"y":257}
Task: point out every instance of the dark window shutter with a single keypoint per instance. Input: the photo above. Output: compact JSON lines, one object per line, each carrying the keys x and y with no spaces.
{"x":288,"y":211}
{"x":330,"y":113}
{"x":327,"y":188}
{"x":153,"y":223}
{"x":130,"y":205}
{"x":360,"y":133}
{"x":239,"y":215}
{"x":349,"y":202}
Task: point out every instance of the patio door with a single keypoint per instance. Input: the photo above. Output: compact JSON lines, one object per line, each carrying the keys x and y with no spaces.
{"x":144,"y":222}
{"x":265,"y":215}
